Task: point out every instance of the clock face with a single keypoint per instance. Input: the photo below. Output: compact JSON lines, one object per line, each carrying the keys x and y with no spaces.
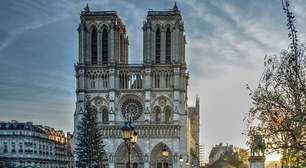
{"x":131,"y":109}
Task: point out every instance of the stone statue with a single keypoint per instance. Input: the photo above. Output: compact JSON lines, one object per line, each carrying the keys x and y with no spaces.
{"x":257,"y":144}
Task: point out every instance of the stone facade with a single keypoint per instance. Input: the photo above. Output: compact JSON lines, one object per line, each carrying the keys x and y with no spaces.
{"x":28,"y":145}
{"x":153,"y":94}
{"x":218,"y":150}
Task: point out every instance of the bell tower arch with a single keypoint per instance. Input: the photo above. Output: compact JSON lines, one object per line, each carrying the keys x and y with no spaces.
{"x":102,"y":38}
{"x":163,"y":37}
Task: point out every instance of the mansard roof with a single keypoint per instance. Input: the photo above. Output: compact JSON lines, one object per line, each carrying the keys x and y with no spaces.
{"x":14,"y":125}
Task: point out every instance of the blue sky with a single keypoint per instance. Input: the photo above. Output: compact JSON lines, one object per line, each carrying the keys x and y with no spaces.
{"x":226,"y":43}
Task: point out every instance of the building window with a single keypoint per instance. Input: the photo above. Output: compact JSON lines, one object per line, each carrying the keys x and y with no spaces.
{"x":94,"y":49}
{"x":35,"y":151}
{"x":156,"y":80}
{"x":104,"y":47}
{"x":13,"y":147}
{"x":157,"y":46}
{"x":5,"y":147}
{"x":168,"y":46}
{"x":104,"y":116}
{"x":20,"y":147}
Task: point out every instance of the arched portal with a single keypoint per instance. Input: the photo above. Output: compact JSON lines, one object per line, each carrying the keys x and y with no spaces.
{"x":158,"y":160}
{"x":121,"y":157}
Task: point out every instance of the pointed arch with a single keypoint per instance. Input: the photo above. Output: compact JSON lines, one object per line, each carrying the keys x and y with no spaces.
{"x":157,"y":46}
{"x":168,"y":46}
{"x":104,"y":46}
{"x":121,"y":156}
{"x":94,"y":47}
{"x":157,"y":160}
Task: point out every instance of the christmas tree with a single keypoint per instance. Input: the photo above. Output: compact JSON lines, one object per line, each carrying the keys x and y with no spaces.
{"x":90,"y":149}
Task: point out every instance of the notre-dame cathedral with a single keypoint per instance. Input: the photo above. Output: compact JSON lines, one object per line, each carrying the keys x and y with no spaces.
{"x":153,"y":94}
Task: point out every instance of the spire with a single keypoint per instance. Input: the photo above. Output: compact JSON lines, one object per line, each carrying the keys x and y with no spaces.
{"x":86,"y":9}
{"x":197,"y":103}
{"x":175,"y":8}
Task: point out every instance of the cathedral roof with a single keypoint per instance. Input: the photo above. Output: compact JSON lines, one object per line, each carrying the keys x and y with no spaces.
{"x":170,"y":12}
{"x":88,"y":12}
{"x":99,"y":13}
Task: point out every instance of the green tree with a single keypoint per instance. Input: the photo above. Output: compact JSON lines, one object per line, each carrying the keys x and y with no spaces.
{"x":278,"y":112}
{"x":244,"y":157}
{"x":90,"y":149}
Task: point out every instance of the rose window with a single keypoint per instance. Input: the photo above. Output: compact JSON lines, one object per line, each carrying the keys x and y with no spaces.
{"x":131,"y":109}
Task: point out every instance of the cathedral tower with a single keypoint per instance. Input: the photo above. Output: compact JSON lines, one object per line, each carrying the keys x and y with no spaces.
{"x":163,"y":37}
{"x":103,"y":38}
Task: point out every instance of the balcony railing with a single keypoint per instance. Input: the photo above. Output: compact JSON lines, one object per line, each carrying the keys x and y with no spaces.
{"x":144,"y":131}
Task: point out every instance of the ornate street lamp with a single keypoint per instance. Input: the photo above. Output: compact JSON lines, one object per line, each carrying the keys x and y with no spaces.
{"x":125,"y":132}
{"x":187,"y":162}
{"x":165,"y":151}
{"x":129,"y":136}
{"x":181,"y":160}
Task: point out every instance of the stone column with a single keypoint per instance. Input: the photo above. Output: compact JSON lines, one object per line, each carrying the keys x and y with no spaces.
{"x":152,"y":46}
{"x":147,"y":87}
{"x":112,"y":82}
{"x":116,"y":45}
{"x":81,"y":44}
{"x":87,"y":54}
{"x":145,"y":43}
{"x":257,"y":162}
{"x":180,"y":36}
{"x":176,"y":95}
{"x":176,"y":45}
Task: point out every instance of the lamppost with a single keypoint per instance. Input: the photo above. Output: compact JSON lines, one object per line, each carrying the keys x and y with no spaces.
{"x":165,"y":151}
{"x":187,"y":162}
{"x":129,"y":136}
{"x":181,"y":160}
{"x":165,"y":154}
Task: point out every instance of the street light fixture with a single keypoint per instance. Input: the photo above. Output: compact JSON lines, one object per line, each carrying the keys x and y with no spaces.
{"x":165,"y":151}
{"x":181,"y":159}
{"x":129,"y":136}
{"x":187,"y":162}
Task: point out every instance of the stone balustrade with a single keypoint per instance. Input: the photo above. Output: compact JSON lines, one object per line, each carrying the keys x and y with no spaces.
{"x":143,"y":131}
